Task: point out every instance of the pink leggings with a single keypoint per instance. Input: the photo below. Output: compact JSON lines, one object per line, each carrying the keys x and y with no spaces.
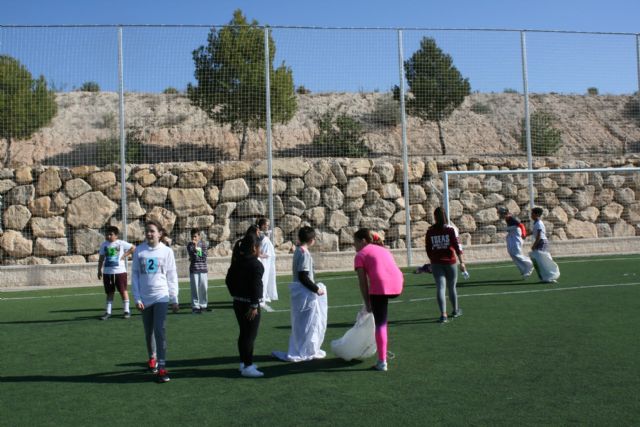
{"x":379,"y":305}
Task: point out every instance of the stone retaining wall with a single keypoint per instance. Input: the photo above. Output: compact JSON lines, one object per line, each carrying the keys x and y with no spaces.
{"x":57,"y":215}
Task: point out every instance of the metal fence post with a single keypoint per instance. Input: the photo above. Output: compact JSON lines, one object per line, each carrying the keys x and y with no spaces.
{"x":405,"y":156}
{"x":445,"y":194}
{"x":527,"y":119}
{"x":123,"y":140}
{"x":638,"y":66}
{"x":267,"y":84}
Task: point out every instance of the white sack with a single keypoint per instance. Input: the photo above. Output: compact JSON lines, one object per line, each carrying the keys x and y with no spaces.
{"x":359,"y":342}
{"x":545,"y":266}
{"x":308,"y":324}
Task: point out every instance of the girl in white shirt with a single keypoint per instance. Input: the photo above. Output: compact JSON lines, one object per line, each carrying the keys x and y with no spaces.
{"x":155,"y":286}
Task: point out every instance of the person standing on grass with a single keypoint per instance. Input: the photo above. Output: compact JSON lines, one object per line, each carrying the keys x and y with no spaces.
{"x":380,"y":279}
{"x":268,"y":259}
{"x":197,"y":250}
{"x":515,"y":235}
{"x":546,"y":268}
{"x":113,"y":257}
{"x":308,"y":305}
{"x":155,"y":287}
{"x":442,"y":248}
{"x":244,"y":281}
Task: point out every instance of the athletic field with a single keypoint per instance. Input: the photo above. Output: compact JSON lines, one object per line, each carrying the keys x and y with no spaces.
{"x":523,"y":353}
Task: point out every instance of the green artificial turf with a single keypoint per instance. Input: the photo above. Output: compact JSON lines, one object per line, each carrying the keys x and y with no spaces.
{"x":523,"y":353}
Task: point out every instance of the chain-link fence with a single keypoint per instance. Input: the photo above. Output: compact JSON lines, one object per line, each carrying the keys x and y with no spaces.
{"x":348,"y":128}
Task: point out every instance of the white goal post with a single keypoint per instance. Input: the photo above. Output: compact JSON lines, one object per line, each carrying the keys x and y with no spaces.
{"x":578,"y":203}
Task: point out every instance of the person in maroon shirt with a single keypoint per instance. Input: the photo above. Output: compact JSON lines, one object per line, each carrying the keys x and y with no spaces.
{"x":442,"y":248}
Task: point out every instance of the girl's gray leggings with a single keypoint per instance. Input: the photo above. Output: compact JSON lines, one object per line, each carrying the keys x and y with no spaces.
{"x":446,"y":274}
{"x":154,"y":318}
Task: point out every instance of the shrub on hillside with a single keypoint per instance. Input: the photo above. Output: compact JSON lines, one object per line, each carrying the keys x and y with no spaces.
{"x":386,"y":112}
{"x":89,"y":87}
{"x":108,"y":149}
{"x":480,"y":108}
{"x":546,"y":140}
{"x":339,"y":135}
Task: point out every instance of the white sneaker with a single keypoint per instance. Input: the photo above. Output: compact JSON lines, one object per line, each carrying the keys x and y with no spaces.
{"x":251,"y":371}
{"x":381,"y":365}
{"x":241,"y":367}
{"x":321,"y":354}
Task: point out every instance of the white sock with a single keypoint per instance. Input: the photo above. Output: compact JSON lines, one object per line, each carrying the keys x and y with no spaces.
{"x":126,"y":305}
{"x":109,"y":305}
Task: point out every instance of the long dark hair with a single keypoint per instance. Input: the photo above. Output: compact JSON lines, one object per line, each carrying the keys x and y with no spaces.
{"x":440,"y":218}
{"x":245,"y":246}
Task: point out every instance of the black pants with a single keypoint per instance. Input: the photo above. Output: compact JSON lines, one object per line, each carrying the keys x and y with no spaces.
{"x":248,"y":331}
{"x":379,"y":308}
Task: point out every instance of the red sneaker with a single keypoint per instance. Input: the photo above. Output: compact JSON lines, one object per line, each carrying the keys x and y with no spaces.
{"x":163,"y":376}
{"x":153,"y":365}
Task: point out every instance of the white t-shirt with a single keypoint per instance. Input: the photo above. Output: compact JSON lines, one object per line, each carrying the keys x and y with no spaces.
{"x":302,"y":261}
{"x":538,"y":226}
{"x":154,"y":275}
{"x":113,"y":253}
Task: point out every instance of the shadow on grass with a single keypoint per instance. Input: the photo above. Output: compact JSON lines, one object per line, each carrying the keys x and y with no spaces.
{"x":115,"y":377}
{"x":272,"y":367}
{"x":340,"y":325}
{"x":35,"y":322}
{"x":413,"y":321}
{"x":78,"y":310}
{"x":199,"y":368}
{"x":185,"y":309}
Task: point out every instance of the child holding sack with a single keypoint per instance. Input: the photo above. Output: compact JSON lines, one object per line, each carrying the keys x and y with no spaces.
{"x":308,"y":305}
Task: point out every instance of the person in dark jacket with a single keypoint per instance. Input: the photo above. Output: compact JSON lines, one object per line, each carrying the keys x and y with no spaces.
{"x":442,"y":248}
{"x":244,"y":280}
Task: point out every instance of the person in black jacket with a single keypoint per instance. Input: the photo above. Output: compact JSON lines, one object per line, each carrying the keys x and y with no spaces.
{"x":244,"y":280}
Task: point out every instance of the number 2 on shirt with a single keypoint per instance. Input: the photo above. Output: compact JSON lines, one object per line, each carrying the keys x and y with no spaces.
{"x":151,"y":265}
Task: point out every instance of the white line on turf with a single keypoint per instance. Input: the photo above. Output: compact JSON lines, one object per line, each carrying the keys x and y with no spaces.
{"x":486,"y":294}
{"x":332,"y":278}
{"x":534,"y":291}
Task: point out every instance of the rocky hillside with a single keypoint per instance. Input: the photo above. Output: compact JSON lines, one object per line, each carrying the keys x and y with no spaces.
{"x":172,"y":129}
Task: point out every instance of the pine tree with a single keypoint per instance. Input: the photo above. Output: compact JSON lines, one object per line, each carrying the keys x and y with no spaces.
{"x":26,"y":104}
{"x":436,"y":85}
{"x":230,"y":71}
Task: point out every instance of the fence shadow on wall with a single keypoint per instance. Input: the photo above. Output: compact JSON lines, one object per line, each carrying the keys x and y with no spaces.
{"x":88,"y":154}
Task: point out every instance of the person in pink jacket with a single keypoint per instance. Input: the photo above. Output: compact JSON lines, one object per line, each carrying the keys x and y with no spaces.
{"x":380,"y":279}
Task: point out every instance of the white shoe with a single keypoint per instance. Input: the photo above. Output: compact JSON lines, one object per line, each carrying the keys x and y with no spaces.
{"x":251,"y":371}
{"x":321,"y":354}
{"x":381,"y":365}
{"x":242,"y":366}
{"x":266,"y":307}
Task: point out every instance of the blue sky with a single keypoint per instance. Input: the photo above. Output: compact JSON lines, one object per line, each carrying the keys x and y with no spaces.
{"x":334,"y":60}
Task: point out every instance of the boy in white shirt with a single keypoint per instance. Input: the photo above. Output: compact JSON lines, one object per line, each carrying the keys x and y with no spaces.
{"x":154,"y":278}
{"x":308,"y":305}
{"x":112,"y":269}
{"x":546,"y":268}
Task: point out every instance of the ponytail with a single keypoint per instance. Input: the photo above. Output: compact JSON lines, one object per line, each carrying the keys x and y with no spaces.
{"x":368,"y":236}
